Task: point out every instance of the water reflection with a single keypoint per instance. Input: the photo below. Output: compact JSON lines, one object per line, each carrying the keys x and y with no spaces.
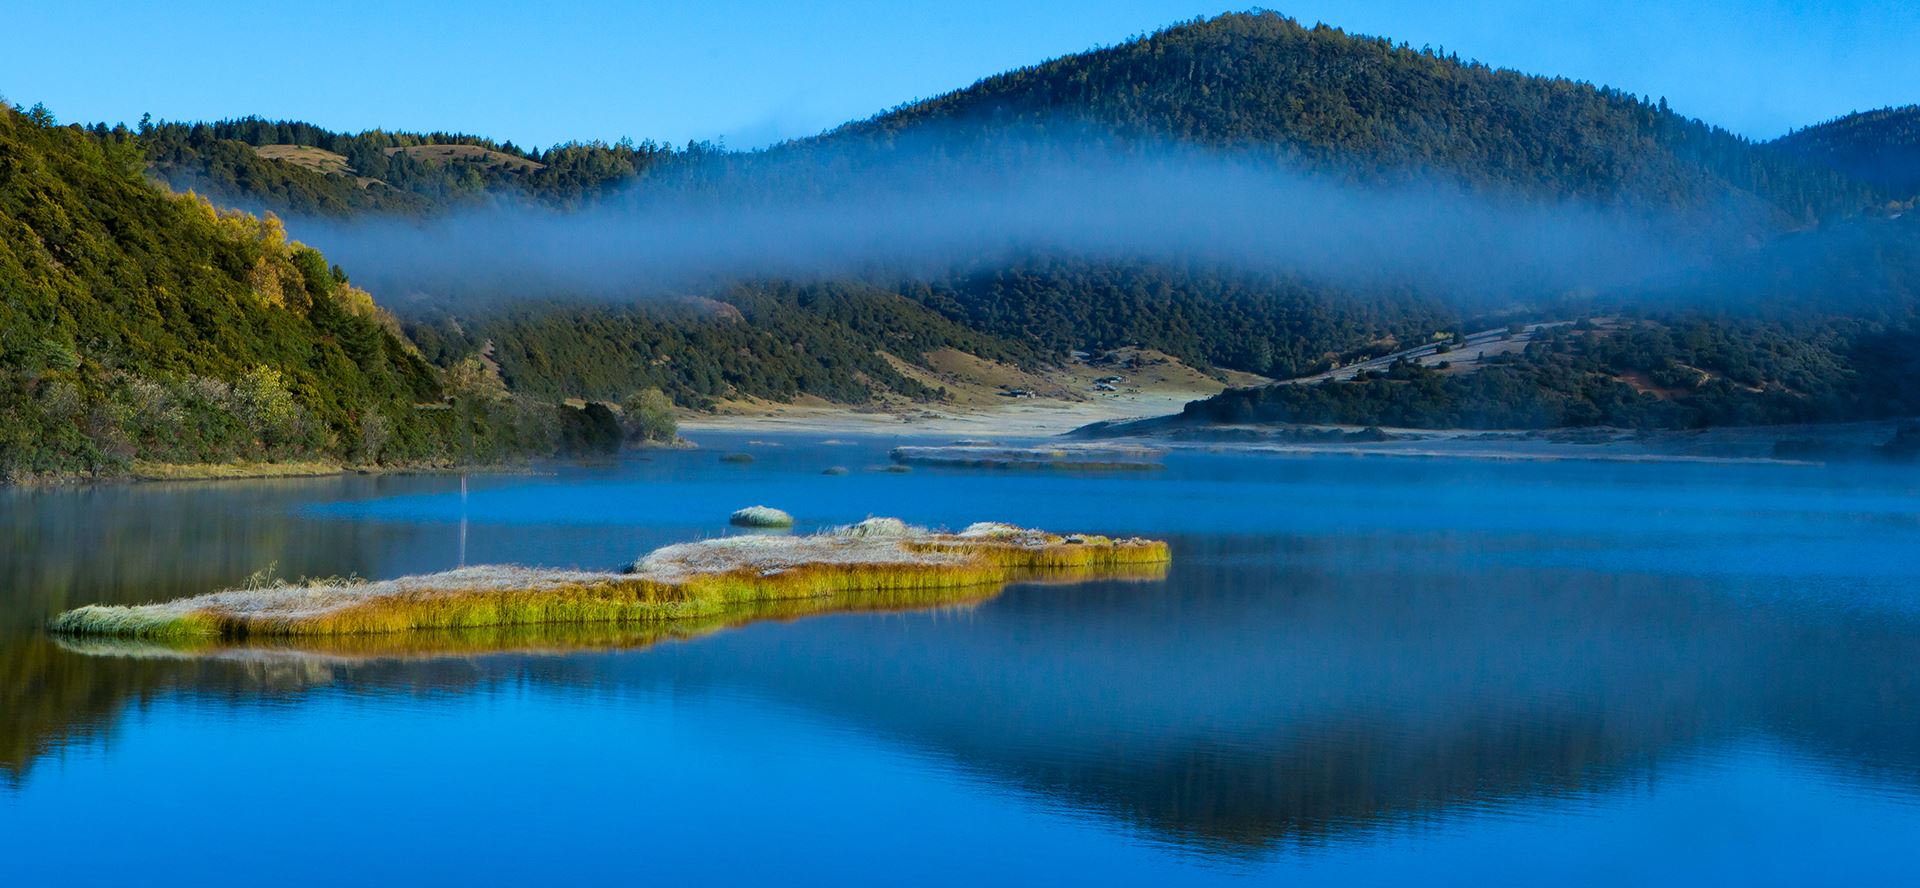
{"x":559,"y":639}
{"x":1275,"y":689}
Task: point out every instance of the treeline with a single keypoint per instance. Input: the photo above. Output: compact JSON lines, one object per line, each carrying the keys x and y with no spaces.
{"x":385,"y":172}
{"x":774,"y":340}
{"x":143,"y":325}
{"x":1817,"y":326}
{"x":835,"y":340}
{"x":1207,"y":315}
{"x":1255,"y":84}
{"x":1376,"y":111}
{"x":1643,"y":374}
{"x":1881,"y":147}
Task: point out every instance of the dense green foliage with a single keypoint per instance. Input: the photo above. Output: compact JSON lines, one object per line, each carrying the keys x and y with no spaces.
{"x":1643,"y":374}
{"x":379,"y":171}
{"x":1206,"y":315}
{"x":138,"y":324}
{"x":770,"y":340}
{"x":780,"y":339}
{"x":646,"y":417}
{"x":1818,"y":326}
{"x":1880,"y":147}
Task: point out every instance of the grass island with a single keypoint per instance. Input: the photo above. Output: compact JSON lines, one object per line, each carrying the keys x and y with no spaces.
{"x":686,"y":581}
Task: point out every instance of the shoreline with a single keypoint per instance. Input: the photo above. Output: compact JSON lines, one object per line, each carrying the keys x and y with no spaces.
{"x":1046,"y":427}
{"x":1054,"y":420}
{"x":1495,"y":455}
{"x":164,"y":473}
{"x":149,"y":472}
{"x":1784,"y":445}
{"x":1040,"y":418}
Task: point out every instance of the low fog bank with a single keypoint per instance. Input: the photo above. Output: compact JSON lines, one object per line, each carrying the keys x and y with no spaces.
{"x":907,"y":211}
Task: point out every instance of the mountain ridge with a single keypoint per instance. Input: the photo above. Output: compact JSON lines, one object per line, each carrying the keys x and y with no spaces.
{"x":1318,"y":93}
{"x":1258,"y":87}
{"x":1880,"y":146}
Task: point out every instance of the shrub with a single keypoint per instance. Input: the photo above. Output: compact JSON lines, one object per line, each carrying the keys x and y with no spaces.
{"x":647,"y":416}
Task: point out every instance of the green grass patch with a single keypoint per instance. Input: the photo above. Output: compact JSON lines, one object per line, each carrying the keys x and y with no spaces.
{"x":708,"y":580}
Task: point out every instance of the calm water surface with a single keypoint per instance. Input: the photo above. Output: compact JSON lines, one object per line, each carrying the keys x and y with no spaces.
{"x":1356,"y":670}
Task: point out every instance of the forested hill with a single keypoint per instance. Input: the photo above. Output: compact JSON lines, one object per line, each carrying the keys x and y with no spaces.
{"x":1258,"y":88}
{"x":1375,"y":110}
{"x":1316,"y":98}
{"x":1878,"y":147}
{"x":298,"y":168}
{"x":138,"y":324}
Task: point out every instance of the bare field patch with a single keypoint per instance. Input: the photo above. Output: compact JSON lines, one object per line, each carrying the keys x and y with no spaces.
{"x":319,"y":160}
{"x":467,"y":154}
{"x":991,"y":398}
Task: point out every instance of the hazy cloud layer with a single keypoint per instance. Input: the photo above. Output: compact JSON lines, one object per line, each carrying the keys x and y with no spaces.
{"x":902,"y":212}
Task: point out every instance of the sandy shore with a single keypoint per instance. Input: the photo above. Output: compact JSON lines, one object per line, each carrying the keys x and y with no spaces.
{"x":1044,"y":419}
{"x":1034,"y":418}
{"x":985,"y":398}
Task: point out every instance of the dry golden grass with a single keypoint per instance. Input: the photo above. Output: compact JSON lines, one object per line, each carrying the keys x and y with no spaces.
{"x":319,"y":160}
{"x":701,"y":581}
{"x":467,"y":154}
{"x":158,"y":471}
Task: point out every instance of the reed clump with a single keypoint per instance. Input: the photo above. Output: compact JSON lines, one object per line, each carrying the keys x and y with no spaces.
{"x":703,"y":580}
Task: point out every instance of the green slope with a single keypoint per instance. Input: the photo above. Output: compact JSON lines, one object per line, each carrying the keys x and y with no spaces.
{"x":1821,"y":326}
{"x":1257,"y":86}
{"x":139,"y":324}
{"x":1881,"y":147}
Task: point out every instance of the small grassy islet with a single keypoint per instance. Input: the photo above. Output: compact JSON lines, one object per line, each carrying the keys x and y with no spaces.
{"x":688,"y":581}
{"x":760,"y":516}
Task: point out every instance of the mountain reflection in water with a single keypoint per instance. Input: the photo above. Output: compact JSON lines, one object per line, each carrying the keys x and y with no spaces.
{"x":1303,"y":674}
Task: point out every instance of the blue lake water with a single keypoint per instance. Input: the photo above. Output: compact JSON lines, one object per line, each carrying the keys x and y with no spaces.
{"x":1356,"y":670}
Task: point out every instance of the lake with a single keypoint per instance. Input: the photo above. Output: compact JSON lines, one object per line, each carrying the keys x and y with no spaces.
{"x":1356,"y":670}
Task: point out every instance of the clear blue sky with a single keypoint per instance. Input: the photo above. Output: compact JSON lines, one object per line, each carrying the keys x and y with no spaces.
{"x":754,"y":72}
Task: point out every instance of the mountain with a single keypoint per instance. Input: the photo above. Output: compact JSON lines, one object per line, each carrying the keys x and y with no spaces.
{"x":1880,"y":147}
{"x":1812,"y":320}
{"x":1314,"y":98}
{"x":140,"y":324}
{"x":1761,"y":247}
{"x":1368,"y":108}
